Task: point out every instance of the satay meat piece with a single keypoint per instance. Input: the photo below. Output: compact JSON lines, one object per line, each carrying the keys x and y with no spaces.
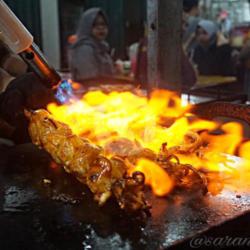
{"x":104,"y":177}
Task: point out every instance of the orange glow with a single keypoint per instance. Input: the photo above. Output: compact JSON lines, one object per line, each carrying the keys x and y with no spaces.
{"x":76,"y":85}
{"x":134,"y":117}
{"x":244,"y":151}
{"x":228,"y":141}
{"x":156,"y":177}
{"x":150,"y":122}
{"x":53,"y":165}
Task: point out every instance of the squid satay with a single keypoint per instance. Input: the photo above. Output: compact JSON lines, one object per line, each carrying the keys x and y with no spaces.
{"x":104,"y":177}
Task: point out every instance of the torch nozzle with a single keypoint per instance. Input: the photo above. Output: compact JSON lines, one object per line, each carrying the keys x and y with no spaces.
{"x":38,"y":63}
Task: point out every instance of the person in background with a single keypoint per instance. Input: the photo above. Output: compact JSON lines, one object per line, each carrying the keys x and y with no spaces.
{"x":89,"y":56}
{"x":224,"y":23}
{"x":244,"y":68}
{"x":213,"y":55}
{"x":71,"y":39}
{"x":141,"y":67}
{"x":141,"y":72}
{"x":191,"y":19}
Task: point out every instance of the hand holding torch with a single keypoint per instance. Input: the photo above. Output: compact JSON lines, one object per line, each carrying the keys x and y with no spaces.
{"x":20,"y":41}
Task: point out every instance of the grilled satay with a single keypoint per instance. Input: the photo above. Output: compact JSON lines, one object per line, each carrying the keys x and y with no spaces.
{"x":132,"y":151}
{"x":104,"y":177}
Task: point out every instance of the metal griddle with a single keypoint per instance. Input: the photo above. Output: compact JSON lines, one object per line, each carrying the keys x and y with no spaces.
{"x":62,"y":215}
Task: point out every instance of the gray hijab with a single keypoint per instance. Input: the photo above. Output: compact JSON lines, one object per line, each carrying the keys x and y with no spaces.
{"x":88,"y":56}
{"x":211,"y":29}
{"x":84,"y":30}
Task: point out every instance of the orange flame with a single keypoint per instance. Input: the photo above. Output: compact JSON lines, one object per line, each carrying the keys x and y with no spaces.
{"x":156,"y":177}
{"x":244,"y":151}
{"x":151,"y":122}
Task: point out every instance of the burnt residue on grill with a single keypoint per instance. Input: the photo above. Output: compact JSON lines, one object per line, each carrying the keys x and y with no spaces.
{"x":210,"y":110}
{"x":42,"y":207}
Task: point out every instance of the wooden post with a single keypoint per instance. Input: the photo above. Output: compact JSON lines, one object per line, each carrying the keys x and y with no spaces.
{"x":164,"y":43}
{"x":51,"y":31}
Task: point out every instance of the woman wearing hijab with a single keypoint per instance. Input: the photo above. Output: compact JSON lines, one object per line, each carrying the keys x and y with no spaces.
{"x":89,"y":55}
{"x":213,"y":55}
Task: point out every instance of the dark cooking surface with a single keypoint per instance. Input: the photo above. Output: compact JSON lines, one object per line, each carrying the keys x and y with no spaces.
{"x":62,"y":215}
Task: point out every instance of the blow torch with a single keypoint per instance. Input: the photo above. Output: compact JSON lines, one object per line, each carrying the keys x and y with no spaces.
{"x":20,"y":41}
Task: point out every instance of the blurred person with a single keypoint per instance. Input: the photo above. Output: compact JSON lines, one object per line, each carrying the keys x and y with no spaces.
{"x":132,"y":55}
{"x":244,"y":68}
{"x":213,"y":55}
{"x":191,"y":7}
{"x":141,"y":71}
{"x":72,"y":39}
{"x":141,"y":63}
{"x":224,"y":23}
{"x":191,"y":18}
{"x":89,"y":55}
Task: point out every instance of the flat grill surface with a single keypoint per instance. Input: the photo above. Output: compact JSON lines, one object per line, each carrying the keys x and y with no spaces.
{"x":63,"y":215}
